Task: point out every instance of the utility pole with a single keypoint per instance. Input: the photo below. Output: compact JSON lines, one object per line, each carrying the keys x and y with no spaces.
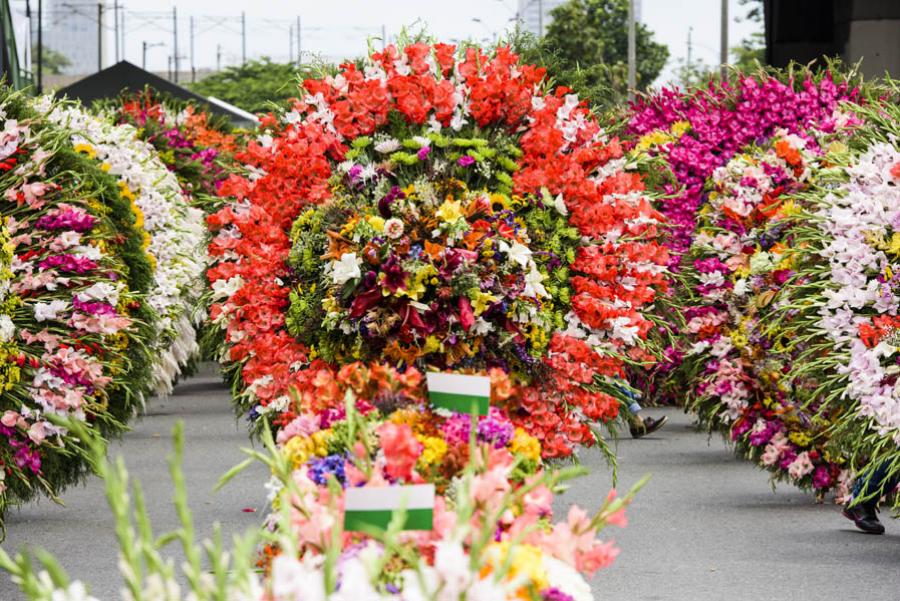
{"x":169,"y":66}
{"x":175,"y":42}
{"x":632,"y":52}
{"x":299,"y":42}
{"x":193,"y":64}
{"x":40,"y":56}
{"x":122,"y":16}
{"x":99,"y":36}
{"x":218,"y":57}
{"x":291,"y":43}
{"x":116,"y":26}
{"x":144,"y":47}
{"x":383,"y":38}
{"x":723,"y":43}
{"x":243,"y":38}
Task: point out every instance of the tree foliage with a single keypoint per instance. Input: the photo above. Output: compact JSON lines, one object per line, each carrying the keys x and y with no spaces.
{"x":589,"y":41}
{"x":54,"y":62}
{"x":253,"y":86}
{"x":751,"y":52}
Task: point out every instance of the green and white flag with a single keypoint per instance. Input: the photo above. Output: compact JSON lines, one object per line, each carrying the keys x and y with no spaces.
{"x":459,"y":392}
{"x":374,"y":507}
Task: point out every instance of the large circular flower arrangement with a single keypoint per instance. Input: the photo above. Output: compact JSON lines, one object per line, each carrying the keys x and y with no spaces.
{"x":751,"y":380}
{"x":524,"y":192}
{"x":176,"y":233}
{"x":74,"y":330}
{"x":430,"y":209}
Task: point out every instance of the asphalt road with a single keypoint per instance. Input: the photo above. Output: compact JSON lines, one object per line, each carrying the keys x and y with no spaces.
{"x":706,"y":528}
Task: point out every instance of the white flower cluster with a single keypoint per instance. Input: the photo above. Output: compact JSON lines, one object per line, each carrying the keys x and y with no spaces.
{"x":862,"y":220}
{"x":177,"y":230}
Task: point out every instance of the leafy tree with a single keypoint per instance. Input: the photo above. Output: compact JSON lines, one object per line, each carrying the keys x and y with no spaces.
{"x":589,"y":38}
{"x":54,"y":62}
{"x":253,"y":86}
{"x":751,"y":52}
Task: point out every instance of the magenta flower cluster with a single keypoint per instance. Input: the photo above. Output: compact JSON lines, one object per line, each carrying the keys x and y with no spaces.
{"x":723,"y":119}
{"x":68,"y":263}
{"x":66,"y":219}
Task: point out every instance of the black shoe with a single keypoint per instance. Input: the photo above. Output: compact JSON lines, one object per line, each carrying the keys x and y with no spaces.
{"x":864,"y":518}
{"x":649,"y":426}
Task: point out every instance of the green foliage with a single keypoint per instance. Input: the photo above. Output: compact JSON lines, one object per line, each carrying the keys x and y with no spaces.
{"x":751,"y":52}
{"x":253,"y":86}
{"x":589,"y":38}
{"x":54,"y":62}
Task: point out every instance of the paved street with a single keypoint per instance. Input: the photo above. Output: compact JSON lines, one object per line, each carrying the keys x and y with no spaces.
{"x":706,"y":527}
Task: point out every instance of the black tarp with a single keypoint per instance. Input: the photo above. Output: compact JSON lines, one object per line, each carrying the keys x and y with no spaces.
{"x":122,"y":76}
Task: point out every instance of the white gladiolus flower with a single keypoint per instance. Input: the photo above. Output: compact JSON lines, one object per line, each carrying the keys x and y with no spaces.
{"x":49,"y":311}
{"x":7,"y":328}
{"x":346,"y":269}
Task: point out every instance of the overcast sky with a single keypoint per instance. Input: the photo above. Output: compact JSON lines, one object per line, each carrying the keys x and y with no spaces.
{"x":339,"y":28}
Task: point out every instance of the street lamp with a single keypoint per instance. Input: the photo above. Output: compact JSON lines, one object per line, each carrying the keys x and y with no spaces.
{"x":147,"y":45}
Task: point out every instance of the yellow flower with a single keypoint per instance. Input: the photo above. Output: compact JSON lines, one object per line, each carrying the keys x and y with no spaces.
{"x":450,"y":211}
{"x":105,"y":167}
{"x":320,"y":442}
{"x":894,"y":246}
{"x":739,"y":339}
{"x":349,"y":226}
{"x":125,"y":191}
{"x":86,"y":149}
{"x":407,"y":416}
{"x":502,"y":200}
{"x":432,"y":345}
{"x":801,"y":439}
{"x":481,"y":301}
{"x":654,"y":138}
{"x":526,"y":562}
{"x":679,"y":128}
{"x":417,"y":286}
{"x":526,"y":445}
{"x":433,"y":451}
{"x":299,"y":450}
{"x":376,"y":222}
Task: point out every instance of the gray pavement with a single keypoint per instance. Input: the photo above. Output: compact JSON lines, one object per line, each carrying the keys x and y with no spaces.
{"x":706,"y":528}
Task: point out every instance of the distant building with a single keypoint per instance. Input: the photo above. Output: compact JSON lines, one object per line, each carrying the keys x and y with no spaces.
{"x":70,"y":28}
{"x":535,"y":14}
{"x":806,"y":30}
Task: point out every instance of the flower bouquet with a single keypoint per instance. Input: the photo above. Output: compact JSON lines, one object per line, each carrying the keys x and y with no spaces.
{"x":850,"y":262}
{"x":743,"y":273}
{"x":75,"y":332}
{"x":194,"y":144}
{"x":175,"y":233}
{"x":434,"y":210}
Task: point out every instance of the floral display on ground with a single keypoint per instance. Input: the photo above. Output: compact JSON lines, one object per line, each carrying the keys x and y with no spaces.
{"x":758,"y":356}
{"x":193,"y":143}
{"x":75,"y":331}
{"x":176,"y":234}
{"x":850,"y":308}
{"x":449,"y":213}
